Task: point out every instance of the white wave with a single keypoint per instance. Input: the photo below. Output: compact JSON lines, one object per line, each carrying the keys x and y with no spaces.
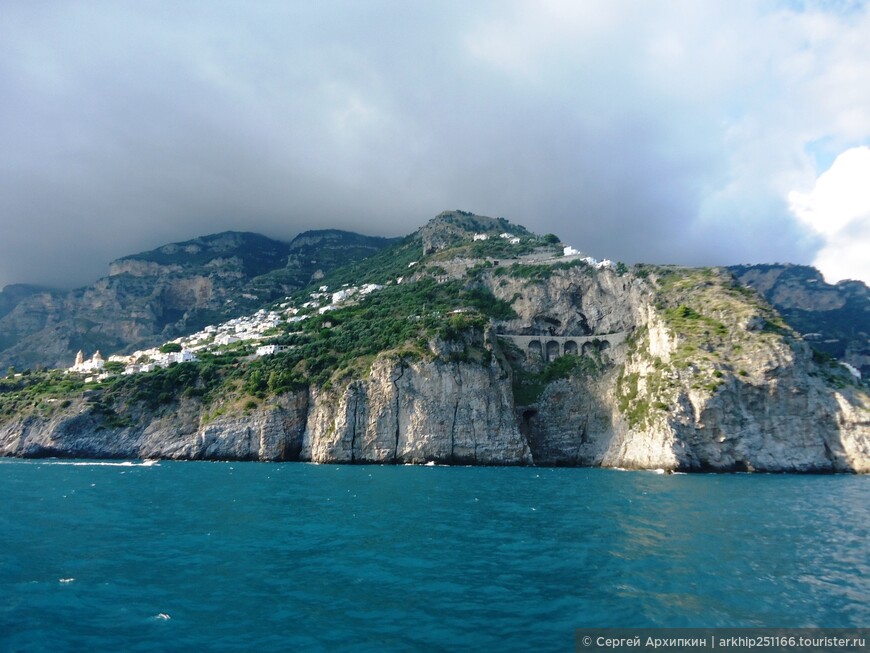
{"x":126,"y":463}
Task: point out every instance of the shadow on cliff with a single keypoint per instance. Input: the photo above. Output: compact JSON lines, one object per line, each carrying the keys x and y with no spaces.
{"x":568,"y":426}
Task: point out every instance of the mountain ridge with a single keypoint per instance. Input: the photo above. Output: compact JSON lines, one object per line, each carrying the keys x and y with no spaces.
{"x":152,"y":296}
{"x":451,"y":348}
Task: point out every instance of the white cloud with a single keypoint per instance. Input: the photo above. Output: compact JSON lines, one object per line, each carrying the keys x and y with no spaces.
{"x":838,"y":209}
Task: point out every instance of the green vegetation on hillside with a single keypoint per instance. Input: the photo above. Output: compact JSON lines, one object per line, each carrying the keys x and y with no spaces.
{"x":540,"y":271}
{"x":400,"y":317}
{"x":40,"y":389}
{"x":381,"y":268}
{"x":493,"y":247}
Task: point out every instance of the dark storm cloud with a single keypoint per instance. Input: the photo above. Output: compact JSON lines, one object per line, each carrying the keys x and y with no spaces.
{"x":668,"y":133}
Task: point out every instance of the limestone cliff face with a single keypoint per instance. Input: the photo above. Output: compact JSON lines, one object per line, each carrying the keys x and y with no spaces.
{"x":181,"y":433}
{"x":749,"y":398}
{"x":417,"y":412}
{"x":775,"y":415}
{"x":140,"y":268}
{"x":578,"y":301}
{"x":572,"y":424}
{"x":710,"y":381}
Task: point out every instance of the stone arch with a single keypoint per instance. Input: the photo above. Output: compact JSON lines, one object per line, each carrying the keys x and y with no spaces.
{"x":588,"y":348}
{"x":570,"y":348}
{"x":604,"y":345}
{"x":552,"y":350}
{"x":535,"y":349}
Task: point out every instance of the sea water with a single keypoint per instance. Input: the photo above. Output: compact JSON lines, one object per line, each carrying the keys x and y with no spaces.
{"x":195,"y":556}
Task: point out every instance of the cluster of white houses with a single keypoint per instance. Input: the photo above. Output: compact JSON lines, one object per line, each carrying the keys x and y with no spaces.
{"x":253,"y":329}
{"x":513,"y":240}
{"x":566,"y":251}
{"x":141,"y":361}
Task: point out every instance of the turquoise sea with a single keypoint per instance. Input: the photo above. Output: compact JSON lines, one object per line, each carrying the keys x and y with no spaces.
{"x":175,"y":556}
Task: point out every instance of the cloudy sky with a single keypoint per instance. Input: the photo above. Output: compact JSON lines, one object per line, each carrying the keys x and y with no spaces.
{"x":715,"y":132}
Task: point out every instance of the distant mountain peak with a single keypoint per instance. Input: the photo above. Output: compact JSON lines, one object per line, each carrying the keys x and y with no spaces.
{"x":337,"y":236}
{"x":450,"y":228}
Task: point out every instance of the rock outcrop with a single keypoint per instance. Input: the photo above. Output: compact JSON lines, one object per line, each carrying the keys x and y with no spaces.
{"x":183,"y":432}
{"x":833,"y":318}
{"x":413,"y":412}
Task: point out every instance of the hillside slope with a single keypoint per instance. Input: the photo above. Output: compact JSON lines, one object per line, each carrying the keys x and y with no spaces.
{"x":484,"y":352}
{"x":154,"y":296}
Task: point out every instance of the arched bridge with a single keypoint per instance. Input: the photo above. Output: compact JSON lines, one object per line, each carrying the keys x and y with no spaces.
{"x":551,"y":347}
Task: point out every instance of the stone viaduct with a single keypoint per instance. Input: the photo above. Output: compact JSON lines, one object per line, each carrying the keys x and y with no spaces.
{"x":551,"y":347}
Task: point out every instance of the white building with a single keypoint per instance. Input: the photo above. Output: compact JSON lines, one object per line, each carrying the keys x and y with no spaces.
{"x":368,"y":288}
{"x":83,"y":366}
{"x":481,"y":237}
{"x":183,"y":356}
{"x":343,"y":295}
{"x":268,"y":350}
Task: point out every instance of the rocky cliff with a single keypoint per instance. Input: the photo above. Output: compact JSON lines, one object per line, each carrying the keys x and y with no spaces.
{"x":833,"y":318}
{"x":403,"y":412}
{"x":536,"y":360}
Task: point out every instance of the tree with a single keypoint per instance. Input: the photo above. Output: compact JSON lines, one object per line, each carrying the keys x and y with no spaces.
{"x":170,"y":348}
{"x":551,"y":239}
{"x":114,"y":367}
